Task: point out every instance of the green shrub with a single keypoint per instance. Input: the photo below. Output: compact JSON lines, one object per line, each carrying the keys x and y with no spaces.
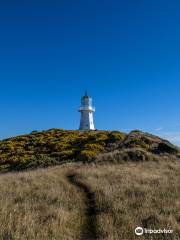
{"x":87,"y":155}
{"x":41,"y":161}
{"x":93,"y":146}
{"x":116,"y":136}
{"x":57,"y":144}
{"x":5,"y":167}
{"x":137,"y":142}
{"x":63,"y":155}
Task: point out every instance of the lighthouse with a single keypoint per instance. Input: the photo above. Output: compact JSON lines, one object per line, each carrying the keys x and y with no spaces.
{"x":86,"y":110}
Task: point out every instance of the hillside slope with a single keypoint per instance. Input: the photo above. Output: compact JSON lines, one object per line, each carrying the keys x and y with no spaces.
{"x":56,"y":146}
{"x":91,"y":201}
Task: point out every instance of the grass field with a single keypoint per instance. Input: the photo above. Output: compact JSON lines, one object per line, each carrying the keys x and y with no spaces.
{"x":77,"y":201}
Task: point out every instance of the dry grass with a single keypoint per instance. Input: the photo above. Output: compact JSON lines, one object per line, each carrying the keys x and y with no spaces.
{"x":42,"y":204}
{"x":145,"y":194}
{"x":39,"y":205}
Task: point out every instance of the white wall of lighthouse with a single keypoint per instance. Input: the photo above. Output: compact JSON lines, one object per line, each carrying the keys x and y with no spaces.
{"x":87,"y":110}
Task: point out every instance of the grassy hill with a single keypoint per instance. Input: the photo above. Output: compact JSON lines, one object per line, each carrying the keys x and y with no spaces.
{"x":56,"y":146}
{"x":130,"y":180}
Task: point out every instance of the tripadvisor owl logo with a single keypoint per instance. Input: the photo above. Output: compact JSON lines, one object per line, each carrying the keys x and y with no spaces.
{"x":139,"y":231}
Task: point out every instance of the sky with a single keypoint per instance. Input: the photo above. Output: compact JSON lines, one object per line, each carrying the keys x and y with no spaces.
{"x":126,"y":54}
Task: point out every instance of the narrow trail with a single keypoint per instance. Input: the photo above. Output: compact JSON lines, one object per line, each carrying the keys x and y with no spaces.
{"x":89,"y":230}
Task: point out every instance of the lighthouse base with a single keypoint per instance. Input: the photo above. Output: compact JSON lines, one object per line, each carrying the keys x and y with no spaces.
{"x":86,"y":122}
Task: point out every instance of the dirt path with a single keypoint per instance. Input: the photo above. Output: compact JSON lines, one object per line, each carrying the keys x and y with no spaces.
{"x":89,"y":231}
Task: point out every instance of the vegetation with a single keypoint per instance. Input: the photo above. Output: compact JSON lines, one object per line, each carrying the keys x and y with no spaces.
{"x":57,"y":146}
{"x":130,"y":180}
{"x":39,"y":205}
{"x":44,"y":204}
{"x":132,"y":194}
{"x":52,"y":147}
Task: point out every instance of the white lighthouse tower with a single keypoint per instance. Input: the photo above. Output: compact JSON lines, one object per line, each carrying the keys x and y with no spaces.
{"x":86,"y":110}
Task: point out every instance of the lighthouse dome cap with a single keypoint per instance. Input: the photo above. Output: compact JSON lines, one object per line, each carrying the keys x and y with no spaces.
{"x":86,"y":95}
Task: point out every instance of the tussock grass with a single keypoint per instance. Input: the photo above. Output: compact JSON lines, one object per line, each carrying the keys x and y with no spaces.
{"x":42,"y":204}
{"x":142,"y":194}
{"x":39,"y":205}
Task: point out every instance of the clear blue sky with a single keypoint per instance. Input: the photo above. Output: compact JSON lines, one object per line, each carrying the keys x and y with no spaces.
{"x":125,"y":53}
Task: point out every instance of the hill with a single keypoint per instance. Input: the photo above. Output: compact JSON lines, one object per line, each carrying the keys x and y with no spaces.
{"x":100,"y":200}
{"x":57,"y":146}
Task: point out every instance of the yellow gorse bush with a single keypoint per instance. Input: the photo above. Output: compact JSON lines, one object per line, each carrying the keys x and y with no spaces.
{"x":57,"y":144}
